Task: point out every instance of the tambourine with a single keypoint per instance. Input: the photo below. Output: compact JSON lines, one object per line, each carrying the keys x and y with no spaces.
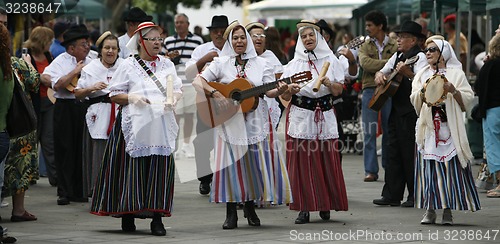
{"x":433,"y":92}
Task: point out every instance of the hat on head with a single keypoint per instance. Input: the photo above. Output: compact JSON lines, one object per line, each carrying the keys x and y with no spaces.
{"x":75,"y":32}
{"x":254,"y":25}
{"x":136,"y":14}
{"x":450,"y":18}
{"x":219,"y":21}
{"x":230,"y":28}
{"x":411,"y":27}
{"x":102,"y":37}
{"x":60,"y":28}
{"x":325,"y":27}
{"x":145,"y":25}
{"x":308,"y":23}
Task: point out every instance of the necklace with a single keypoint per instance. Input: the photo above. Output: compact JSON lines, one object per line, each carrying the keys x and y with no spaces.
{"x":240,"y":68}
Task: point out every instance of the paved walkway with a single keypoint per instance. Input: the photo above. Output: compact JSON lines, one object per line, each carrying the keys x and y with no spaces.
{"x":195,"y":220}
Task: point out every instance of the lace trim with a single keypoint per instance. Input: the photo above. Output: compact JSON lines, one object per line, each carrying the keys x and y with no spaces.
{"x":302,"y":126}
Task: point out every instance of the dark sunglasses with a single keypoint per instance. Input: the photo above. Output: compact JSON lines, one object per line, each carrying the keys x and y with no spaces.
{"x":431,"y":49}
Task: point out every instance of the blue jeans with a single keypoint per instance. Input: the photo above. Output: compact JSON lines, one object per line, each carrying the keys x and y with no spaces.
{"x":4,"y":150}
{"x":370,"y":123}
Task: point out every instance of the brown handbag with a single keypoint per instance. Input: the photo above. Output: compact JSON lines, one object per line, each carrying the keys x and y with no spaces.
{"x":21,"y":117}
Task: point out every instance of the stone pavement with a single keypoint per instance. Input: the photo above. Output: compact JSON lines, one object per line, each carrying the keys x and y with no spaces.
{"x":195,"y":220}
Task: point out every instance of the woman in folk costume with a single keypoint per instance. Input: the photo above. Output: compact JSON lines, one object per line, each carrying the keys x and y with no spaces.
{"x":93,"y":84}
{"x":256,"y":31}
{"x":443,"y":174}
{"x":313,"y":156}
{"x":137,"y":172}
{"x":249,"y":166}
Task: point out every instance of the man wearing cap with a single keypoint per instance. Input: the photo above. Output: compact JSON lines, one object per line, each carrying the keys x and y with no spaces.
{"x":449,"y":29}
{"x":69,"y":115}
{"x":399,"y":170}
{"x":373,"y":55}
{"x":132,"y":19}
{"x":56,"y":48}
{"x":201,"y":57}
{"x":184,"y":42}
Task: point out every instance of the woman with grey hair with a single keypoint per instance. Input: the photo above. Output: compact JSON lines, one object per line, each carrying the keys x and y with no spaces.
{"x":136,"y":179}
{"x":312,"y":149}
{"x":443,"y":174}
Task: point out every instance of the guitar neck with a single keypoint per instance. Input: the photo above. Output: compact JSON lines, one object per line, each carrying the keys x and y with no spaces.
{"x":256,"y":91}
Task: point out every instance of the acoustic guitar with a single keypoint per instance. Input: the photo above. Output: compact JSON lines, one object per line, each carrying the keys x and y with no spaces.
{"x":387,"y":90}
{"x":72,"y":85}
{"x":243,"y":95}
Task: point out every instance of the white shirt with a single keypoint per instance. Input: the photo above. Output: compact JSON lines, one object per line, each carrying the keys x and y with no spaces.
{"x":98,"y":114}
{"x":148,"y":129}
{"x":302,"y":122}
{"x":197,"y":54}
{"x":274,"y":108}
{"x":258,"y":72}
{"x":122,"y":41}
{"x":61,"y":66}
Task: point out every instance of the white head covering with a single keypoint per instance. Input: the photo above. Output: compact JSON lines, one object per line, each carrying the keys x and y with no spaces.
{"x":448,"y":54}
{"x":320,"y":51}
{"x":132,"y":43}
{"x":228,"y":49}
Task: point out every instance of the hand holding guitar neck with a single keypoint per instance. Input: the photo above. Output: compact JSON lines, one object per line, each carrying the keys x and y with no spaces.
{"x":318,"y":83}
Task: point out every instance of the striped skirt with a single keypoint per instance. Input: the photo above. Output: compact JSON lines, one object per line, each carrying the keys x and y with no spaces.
{"x":126,"y":185}
{"x":440,"y":185}
{"x":254,"y":172}
{"x":316,"y":175}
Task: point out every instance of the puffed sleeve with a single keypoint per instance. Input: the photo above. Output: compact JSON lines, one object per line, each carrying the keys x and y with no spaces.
{"x":119,"y":82}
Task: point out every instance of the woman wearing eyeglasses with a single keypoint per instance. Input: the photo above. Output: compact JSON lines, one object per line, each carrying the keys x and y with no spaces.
{"x":136,"y":178}
{"x":100,"y":117}
{"x":443,"y":177}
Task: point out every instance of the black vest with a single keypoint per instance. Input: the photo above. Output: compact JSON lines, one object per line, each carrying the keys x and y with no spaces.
{"x":401,"y":104}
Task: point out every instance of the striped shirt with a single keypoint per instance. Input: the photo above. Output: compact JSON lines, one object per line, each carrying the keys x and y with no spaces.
{"x":185,"y":47}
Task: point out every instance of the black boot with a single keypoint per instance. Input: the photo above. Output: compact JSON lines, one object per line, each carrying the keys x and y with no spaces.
{"x":157,"y":228}
{"x":325,"y":215}
{"x":302,"y":218}
{"x":231,"y":216}
{"x":128,"y":224}
{"x":249,"y":213}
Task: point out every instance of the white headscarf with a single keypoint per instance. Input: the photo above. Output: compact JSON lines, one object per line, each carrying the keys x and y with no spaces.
{"x":228,"y":49}
{"x":448,"y":54}
{"x":320,"y":51}
{"x":133,"y":42}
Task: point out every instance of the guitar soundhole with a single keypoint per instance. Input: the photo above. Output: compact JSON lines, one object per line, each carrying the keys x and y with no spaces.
{"x":236,"y":96}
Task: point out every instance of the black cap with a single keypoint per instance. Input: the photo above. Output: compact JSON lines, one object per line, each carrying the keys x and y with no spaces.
{"x":75,"y":32}
{"x":411,"y":27}
{"x":219,"y":21}
{"x":60,"y":28}
{"x":136,"y":14}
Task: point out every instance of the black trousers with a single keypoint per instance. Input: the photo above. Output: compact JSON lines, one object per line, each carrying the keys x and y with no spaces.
{"x":69,"y":119}
{"x":203,"y":145}
{"x":399,"y":171}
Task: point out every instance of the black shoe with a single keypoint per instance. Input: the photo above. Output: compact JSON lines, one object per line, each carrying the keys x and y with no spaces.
{"x":128,"y":224}
{"x":325,"y":215}
{"x":302,"y":218}
{"x":408,"y":204}
{"x":231,"y":221}
{"x":204,"y":188}
{"x":157,"y":228}
{"x":384,"y":201}
{"x":63,"y":201}
{"x":249,"y":213}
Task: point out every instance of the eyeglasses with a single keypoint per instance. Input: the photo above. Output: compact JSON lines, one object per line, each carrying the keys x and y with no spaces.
{"x":404,"y":36}
{"x":154,"y":39}
{"x":257,"y":36}
{"x":431,"y":49}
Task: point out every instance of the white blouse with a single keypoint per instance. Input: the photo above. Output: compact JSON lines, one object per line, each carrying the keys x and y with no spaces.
{"x":304,"y":123}
{"x":148,"y":129}
{"x":257,"y":72}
